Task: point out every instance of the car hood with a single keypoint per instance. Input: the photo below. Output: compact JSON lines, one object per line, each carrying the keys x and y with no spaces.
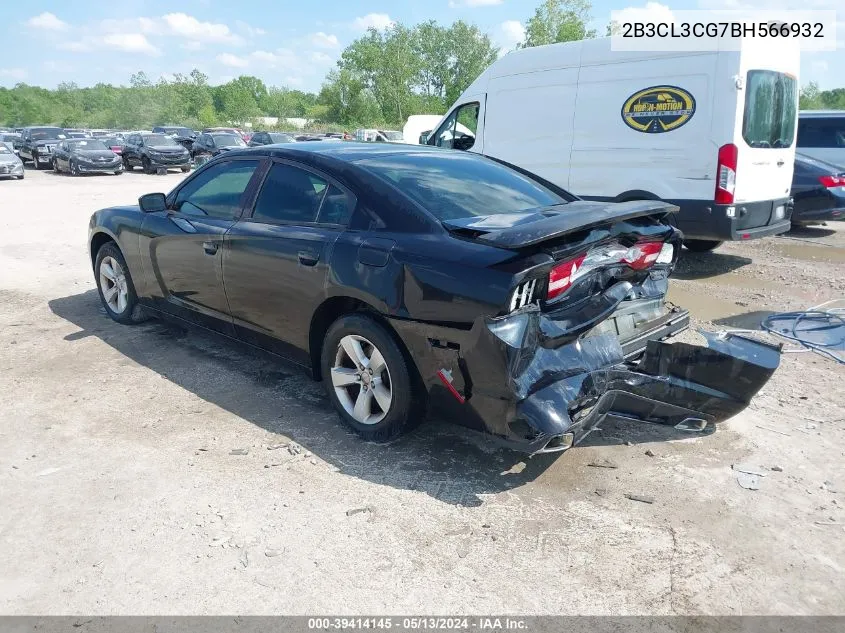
{"x":519,"y":230}
{"x":166,"y":148}
{"x":48,"y":141}
{"x":9,"y":158}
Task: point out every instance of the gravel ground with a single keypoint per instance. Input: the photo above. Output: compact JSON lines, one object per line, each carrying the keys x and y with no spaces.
{"x":145,"y":469}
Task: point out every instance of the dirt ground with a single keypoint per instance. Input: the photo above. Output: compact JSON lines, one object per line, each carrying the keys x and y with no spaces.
{"x":120,"y":492}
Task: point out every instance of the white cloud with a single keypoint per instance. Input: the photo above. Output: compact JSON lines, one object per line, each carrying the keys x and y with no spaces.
{"x":130,"y":43}
{"x":650,"y":12}
{"x":323,"y":40}
{"x":48,"y":22}
{"x":509,"y":34}
{"x":124,"y":42}
{"x":188,"y":26}
{"x":248,"y":30}
{"x":233,"y":61}
{"x":377,"y":21}
{"x":192,"y":46}
{"x":13,"y":73}
{"x":148,"y":26}
{"x":321,"y":59}
{"x":454,"y":4}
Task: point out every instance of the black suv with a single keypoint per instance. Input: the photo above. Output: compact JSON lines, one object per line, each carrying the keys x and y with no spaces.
{"x":212,"y":143}
{"x":269,"y":138}
{"x":38,"y":143}
{"x":152,"y":151}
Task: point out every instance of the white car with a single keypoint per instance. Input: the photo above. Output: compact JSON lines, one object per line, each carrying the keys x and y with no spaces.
{"x":10,"y":165}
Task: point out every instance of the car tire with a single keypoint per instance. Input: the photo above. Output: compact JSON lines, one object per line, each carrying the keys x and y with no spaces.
{"x":126,"y":165}
{"x":35,"y":162}
{"x":56,"y":166}
{"x":378,"y":407}
{"x":20,"y":177}
{"x":702,"y":246}
{"x":74,"y":170}
{"x":118,"y":172}
{"x":121,"y":305}
{"x":147,"y":165}
{"x":185,"y":170}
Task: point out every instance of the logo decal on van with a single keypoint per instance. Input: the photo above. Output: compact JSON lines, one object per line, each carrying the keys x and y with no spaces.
{"x":658,"y":109}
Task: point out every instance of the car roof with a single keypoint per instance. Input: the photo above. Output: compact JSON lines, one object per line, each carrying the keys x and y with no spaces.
{"x":347,"y":151}
{"x":820,"y":113}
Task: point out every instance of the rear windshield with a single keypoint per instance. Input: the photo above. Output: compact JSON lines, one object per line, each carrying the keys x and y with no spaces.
{"x":228,"y":139}
{"x":824,"y":132}
{"x":771,"y":108}
{"x":88,"y":144}
{"x":47,"y":133}
{"x":459,"y":185}
{"x":281,"y":138}
{"x":159,"y":139}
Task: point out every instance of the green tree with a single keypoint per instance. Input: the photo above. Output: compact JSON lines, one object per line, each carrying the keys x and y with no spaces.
{"x":557,"y":21}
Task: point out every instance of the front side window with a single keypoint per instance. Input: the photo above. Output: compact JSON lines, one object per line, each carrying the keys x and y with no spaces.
{"x":771,"y":109}
{"x":452,"y":186}
{"x":821,"y":132}
{"x":218,"y":191}
{"x":289,"y":194}
{"x":458,"y":130}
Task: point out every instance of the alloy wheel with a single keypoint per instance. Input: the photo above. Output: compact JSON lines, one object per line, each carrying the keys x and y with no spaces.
{"x":361,"y":380}
{"x":113,"y":285}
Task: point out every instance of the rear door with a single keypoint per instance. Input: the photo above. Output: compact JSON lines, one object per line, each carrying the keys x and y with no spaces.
{"x":766,"y":142}
{"x":183,"y":245}
{"x":277,"y":258}
{"x":823,"y":138}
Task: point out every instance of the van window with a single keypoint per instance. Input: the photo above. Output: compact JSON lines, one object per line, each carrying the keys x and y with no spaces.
{"x":821,"y":132}
{"x":458,"y":130}
{"x":770,"y":109}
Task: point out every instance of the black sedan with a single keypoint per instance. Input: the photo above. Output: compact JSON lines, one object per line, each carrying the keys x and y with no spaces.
{"x":412,"y":279}
{"x":818,"y":189}
{"x":86,"y":156}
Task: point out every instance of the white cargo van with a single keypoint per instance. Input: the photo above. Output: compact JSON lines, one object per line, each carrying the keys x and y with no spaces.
{"x":712,"y":132}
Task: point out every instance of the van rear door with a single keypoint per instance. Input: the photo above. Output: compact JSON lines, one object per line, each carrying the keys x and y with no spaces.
{"x":765,"y":152}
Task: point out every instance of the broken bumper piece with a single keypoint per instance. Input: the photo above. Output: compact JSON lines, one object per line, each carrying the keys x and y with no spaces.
{"x":536,"y":384}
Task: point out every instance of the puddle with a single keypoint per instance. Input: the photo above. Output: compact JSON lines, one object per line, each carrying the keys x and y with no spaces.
{"x":811,"y":252}
{"x":706,"y":307}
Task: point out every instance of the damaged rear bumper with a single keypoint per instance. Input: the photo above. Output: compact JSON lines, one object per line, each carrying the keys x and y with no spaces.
{"x":538,"y":384}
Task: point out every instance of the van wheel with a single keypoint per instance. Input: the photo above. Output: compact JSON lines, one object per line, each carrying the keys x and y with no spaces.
{"x":701,"y":246}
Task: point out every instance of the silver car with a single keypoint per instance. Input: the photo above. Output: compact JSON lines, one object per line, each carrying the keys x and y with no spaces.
{"x":10,"y":165}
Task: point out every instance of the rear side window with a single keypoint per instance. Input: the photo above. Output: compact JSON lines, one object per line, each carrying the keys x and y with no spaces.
{"x":217,"y":191}
{"x":771,"y":109}
{"x":289,"y":194}
{"x":821,"y":132}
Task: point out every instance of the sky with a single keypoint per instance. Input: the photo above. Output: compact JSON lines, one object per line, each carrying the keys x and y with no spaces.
{"x":284,"y":42}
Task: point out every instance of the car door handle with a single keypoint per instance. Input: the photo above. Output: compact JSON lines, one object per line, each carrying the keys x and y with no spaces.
{"x":307,"y":258}
{"x":210,"y":247}
{"x":780,"y":163}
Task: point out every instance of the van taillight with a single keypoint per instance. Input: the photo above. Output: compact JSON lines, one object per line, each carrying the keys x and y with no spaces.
{"x":726,"y":174}
{"x":832,"y":181}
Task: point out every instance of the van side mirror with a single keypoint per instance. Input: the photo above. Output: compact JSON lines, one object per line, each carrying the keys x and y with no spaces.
{"x":152,"y":202}
{"x":424,"y":137}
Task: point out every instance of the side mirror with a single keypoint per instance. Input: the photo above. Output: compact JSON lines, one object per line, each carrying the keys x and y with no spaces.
{"x":152,"y":202}
{"x":424,"y":137}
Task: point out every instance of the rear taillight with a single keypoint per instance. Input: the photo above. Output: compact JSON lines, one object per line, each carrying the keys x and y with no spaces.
{"x":643,"y":255}
{"x":640,"y":256}
{"x":726,"y":174}
{"x":832,"y":181}
{"x":562,"y":276}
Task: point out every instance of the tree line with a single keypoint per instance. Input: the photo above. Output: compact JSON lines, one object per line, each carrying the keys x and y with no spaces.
{"x":380,"y":79}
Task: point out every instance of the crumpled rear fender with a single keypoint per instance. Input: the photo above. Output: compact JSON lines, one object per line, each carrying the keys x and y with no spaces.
{"x":540,"y":385}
